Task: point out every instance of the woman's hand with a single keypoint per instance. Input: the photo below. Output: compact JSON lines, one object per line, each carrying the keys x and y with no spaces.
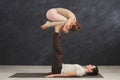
{"x":72,"y":23}
{"x":68,"y":25}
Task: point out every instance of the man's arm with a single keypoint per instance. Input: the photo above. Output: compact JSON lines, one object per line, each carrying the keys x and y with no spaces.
{"x":68,"y":74}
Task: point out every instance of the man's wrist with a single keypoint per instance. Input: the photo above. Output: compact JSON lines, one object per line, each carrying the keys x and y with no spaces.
{"x":53,"y":75}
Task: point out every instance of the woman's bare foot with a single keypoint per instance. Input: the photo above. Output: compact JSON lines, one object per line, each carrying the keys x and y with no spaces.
{"x":45,"y":25}
{"x":52,"y":24}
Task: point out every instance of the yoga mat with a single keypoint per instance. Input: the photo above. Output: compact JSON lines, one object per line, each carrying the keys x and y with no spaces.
{"x":41,"y":75}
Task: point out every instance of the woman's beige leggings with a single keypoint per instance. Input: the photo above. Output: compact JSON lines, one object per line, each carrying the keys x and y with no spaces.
{"x":55,"y":18}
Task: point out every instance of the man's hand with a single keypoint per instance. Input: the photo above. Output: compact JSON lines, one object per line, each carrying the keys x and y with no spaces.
{"x":50,"y":76}
{"x":67,"y":74}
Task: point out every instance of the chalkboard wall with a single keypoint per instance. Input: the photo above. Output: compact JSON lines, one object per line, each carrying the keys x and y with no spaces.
{"x":22,"y":42}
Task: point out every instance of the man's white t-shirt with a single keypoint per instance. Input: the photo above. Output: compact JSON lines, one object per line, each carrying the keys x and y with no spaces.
{"x":73,"y":67}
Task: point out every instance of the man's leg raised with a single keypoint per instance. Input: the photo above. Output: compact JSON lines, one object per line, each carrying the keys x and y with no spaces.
{"x":57,"y":55}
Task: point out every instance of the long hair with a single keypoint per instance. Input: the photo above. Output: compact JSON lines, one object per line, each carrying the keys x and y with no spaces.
{"x":76,"y":27}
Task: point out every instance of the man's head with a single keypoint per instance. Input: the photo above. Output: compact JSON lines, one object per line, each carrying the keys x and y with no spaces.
{"x":91,"y":69}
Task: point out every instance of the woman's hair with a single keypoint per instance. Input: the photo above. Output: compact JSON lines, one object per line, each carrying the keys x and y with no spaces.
{"x":95,"y":71}
{"x":76,"y":27}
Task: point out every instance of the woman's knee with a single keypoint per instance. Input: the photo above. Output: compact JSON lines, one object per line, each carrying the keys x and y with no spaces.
{"x":51,"y":13}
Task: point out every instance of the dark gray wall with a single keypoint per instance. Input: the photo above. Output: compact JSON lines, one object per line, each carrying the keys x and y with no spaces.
{"x":22,"y":42}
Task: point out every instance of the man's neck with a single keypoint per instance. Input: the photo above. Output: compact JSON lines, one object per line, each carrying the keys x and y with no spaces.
{"x":86,"y":71}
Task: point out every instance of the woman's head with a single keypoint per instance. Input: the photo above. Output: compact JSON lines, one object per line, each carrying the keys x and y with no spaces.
{"x":76,"y":27}
{"x":91,"y":69}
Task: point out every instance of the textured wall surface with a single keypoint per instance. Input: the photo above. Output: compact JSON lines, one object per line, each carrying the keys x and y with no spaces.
{"x":22,"y":42}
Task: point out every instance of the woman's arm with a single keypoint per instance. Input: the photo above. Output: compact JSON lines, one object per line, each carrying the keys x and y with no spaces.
{"x":68,"y":74}
{"x":70,"y":22}
{"x":71,"y":19}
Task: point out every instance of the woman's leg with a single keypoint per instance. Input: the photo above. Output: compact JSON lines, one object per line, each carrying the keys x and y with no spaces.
{"x":51,"y":24}
{"x":55,"y":18}
{"x":52,"y":15}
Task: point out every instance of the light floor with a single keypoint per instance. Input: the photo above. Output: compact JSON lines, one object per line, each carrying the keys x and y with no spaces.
{"x":108,"y":72}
